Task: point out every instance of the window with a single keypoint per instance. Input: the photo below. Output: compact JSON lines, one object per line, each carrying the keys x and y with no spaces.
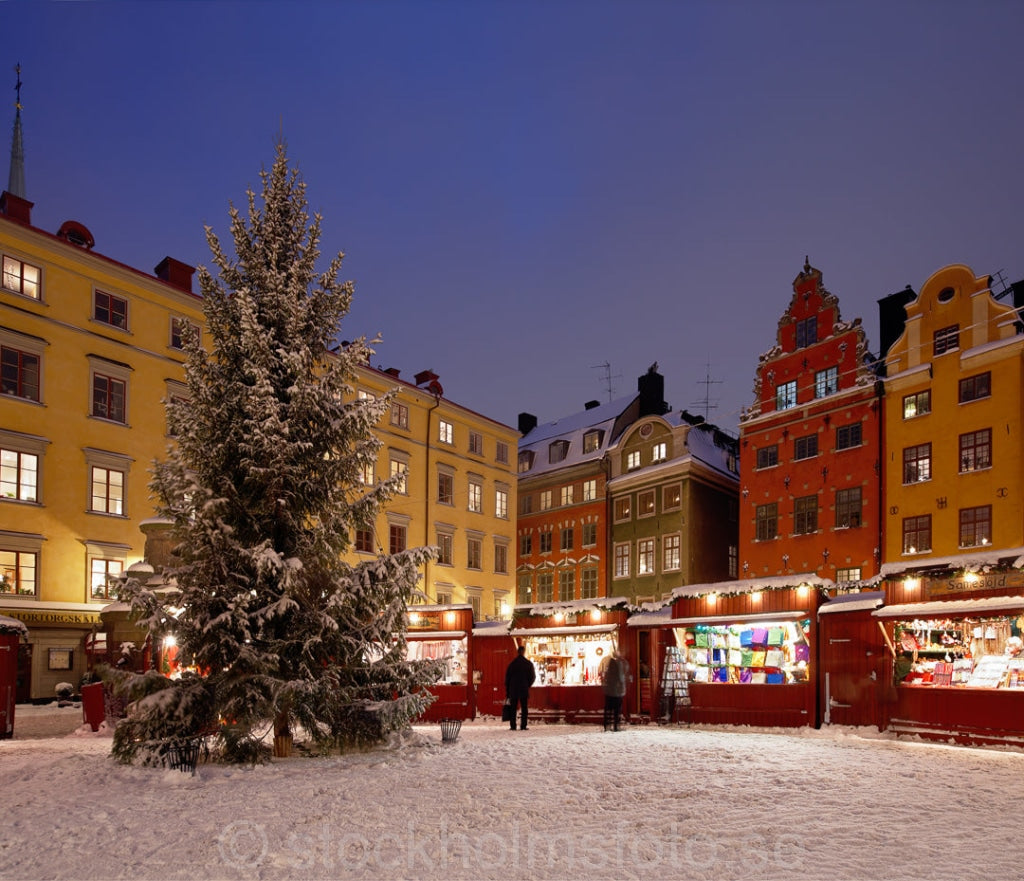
{"x":366,"y":473}
{"x":805,"y":447}
{"x":589,"y":534}
{"x":444,"y":597}
{"x":567,"y":495}
{"x":566,"y":585}
{"x":805,"y":515}
{"x":524,"y":589}
{"x":183,"y":332}
{"x":501,"y":452}
{"x":17,"y":570}
{"x":546,"y":587}
{"x":446,"y":432}
{"x":400,"y":472}
{"x":848,"y":574}
{"x":670,"y":552}
{"x":110,"y":309}
{"x":399,"y":414}
{"x":22,"y":278}
{"x":785,"y":395}
{"x":975,"y":526}
{"x":645,"y":556}
{"x":525,"y":545}
{"x":364,"y":540}
{"x":108,"y":398}
{"x":768,"y":457}
{"x":20,"y":373}
{"x":501,"y":558}
{"x":826,"y":382}
{"x":917,"y":534}
{"x":566,"y":538}
{"x":974,"y":387}
{"x":767,"y":521}
{"x":363,"y":395}
{"x":545,"y":541}
{"x":917,"y":404}
{"x":101,"y":571}
{"x":474,"y":553}
{"x":622,"y":508}
{"x":476,"y":495}
{"x":525,"y":461}
{"x":526,"y":504}
{"x":659,"y":452}
{"x":589,"y":490}
{"x":588,"y":583}
{"x":734,"y":561}
{"x":645,"y":503}
{"x":397,"y":533}
{"x":976,"y":450}
{"x":848,"y":507}
{"x":557,"y":450}
{"x":107,"y":495}
{"x":946,"y":339}
{"x":445,"y":552}
{"x":474,"y":603}
{"x":622,"y":561}
{"x":545,"y":499}
{"x":671,"y":497}
{"x":476,"y":443}
{"x":501,"y":503}
{"x":592,"y":441}
{"x":445,"y":488}
{"x":917,"y":463}
{"x":632,"y":460}
{"x":19,"y":475}
{"x":807,"y":332}
{"x":848,"y":436}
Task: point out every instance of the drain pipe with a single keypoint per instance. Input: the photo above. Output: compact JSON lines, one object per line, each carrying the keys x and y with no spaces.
{"x":426,"y":496}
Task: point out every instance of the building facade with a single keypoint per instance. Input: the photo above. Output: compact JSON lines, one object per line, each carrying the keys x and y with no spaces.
{"x":810,"y":446}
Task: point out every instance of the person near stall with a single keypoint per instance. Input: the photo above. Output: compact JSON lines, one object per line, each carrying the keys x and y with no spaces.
{"x":519,"y":676}
{"x":616,"y":674}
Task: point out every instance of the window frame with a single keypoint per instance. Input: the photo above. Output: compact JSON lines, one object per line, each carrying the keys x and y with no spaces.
{"x":805,"y":515}
{"x":671,"y":497}
{"x":445,"y":432}
{"x":622,"y":509}
{"x":106,"y":313}
{"x":566,"y":539}
{"x":849,"y":507}
{"x":475,"y":495}
{"x":766,"y":521}
{"x":26,"y":554}
{"x":914,"y":457}
{"x":476,"y":443}
{"x":805,"y":447}
{"x":501,"y":502}
{"x":26,"y":379}
{"x":566,"y":584}
{"x":786,"y":395}
{"x":399,"y":415}
{"x":766,"y":457}
{"x":977,"y":520}
{"x":671,"y":552}
{"x":589,"y":583}
{"x":826,"y":382}
{"x":946,"y":339}
{"x":917,"y":526}
{"x":19,"y":445}
{"x":915,"y":400}
{"x":850,"y":436}
{"x":181,"y":328}
{"x":975,"y":451}
{"x":588,"y":535}
{"x":445,"y":488}
{"x":621,"y":561}
{"x":975,"y":388}
{"x":20,"y":275}
{"x":474,"y":552}
{"x":590,"y":490}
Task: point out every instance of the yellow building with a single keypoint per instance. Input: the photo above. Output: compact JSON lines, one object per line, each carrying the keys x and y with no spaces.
{"x":90,"y":348}
{"x":952,"y":409}
{"x":460,"y":492}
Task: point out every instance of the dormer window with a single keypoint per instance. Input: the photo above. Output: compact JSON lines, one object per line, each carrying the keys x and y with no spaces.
{"x":525,"y":461}
{"x":558,"y":450}
{"x":592,"y":441}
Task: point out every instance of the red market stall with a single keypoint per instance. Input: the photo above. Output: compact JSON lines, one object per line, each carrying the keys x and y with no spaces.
{"x":444,"y":632}
{"x":956,"y":656}
{"x":851,"y":660}
{"x":743,"y":651}
{"x":12,"y":631}
{"x":568,"y":643}
{"x":493,"y":650}
{"x":648,"y":634}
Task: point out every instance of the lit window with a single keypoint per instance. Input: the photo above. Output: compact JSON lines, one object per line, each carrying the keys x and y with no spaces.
{"x":501,"y":503}
{"x":22,"y":278}
{"x":19,"y":475}
{"x":525,"y":461}
{"x":18,"y":572}
{"x":659,"y":452}
{"x":976,"y":526}
{"x":101,"y":573}
{"x":632,"y":460}
{"x":622,"y":508}
{"x":974,"y":387}
{"x":366,"y":474}
{"x":568,"y":494}
{"x":400,"y":474}
{"x":805,"y":515}
{"x":917,"y":404}
{"x":976,"y":450}
{"x":546,"y":587}
{"x":622,"y":561}
{"x":767,"y":521}
{"x":524,"y":589}
{"x":848,"y":574}
{"x":108,"y":397}
{"x":545,"y":499}
{"x":107,"y":495}
{"x":589,"y":490}
{"x":110,"y":310}
{"x":476,"y":496}
{"x":826,"y":382}
{"x":645,"y":556}
{"x":946,"y":339}
{"x":785,"y":395}
{"x":671,"y":497}
{"x":445,"y":489}
{"x":848,"y":507}
{"x":588,"y":583}
{"x":399,"y":414}
{"x":671,"y":547}
{"x":566,"y":585}
{"x":444,"y":548}
{"x":446,"y":432}
{"x":592,"y":441}
{"x":917,"y":534}
{"x":589,"y":533}
{"x":645,"y":504}
{"x":917,"y":463}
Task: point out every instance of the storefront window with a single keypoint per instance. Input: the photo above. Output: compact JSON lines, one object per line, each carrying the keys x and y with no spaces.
{"x":768,"y":652}
{"x":451,"y":651}
{"x":569,"y":660}
{"x":960,"y":652}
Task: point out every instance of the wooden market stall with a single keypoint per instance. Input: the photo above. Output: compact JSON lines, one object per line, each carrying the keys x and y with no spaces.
{"x":444,"y":632}
{"x":851,"y":671}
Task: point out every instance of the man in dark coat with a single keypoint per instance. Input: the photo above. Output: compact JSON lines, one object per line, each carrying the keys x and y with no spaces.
{"x":613,"y":681}
{"x":519,"y":676}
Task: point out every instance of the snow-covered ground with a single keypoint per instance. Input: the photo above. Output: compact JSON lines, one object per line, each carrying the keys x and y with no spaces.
{"x":553,"y":802}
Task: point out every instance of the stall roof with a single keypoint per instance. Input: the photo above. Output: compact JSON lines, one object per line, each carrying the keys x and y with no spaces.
{"x":573,"y":606}
{"x":582,"y":630}
{"x":12,"y":625}
{"x":737,"y":619}
{"x":853,"y":602}
{"x":944,"y":608}
{"x":435,"y":634}
{"x":491,"y":628}
{"x":650,"y":617}
{"x":751,"y":585}
{"x":988,"y":557}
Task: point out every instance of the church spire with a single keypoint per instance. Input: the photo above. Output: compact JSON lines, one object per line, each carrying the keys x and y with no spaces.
{"x":16,"y":181}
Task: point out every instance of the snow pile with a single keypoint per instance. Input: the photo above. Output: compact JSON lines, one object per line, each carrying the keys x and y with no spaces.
{"x":556,"y":801}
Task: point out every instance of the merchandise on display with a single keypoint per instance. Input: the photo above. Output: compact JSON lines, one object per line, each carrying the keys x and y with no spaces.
{"x":768,"y":652}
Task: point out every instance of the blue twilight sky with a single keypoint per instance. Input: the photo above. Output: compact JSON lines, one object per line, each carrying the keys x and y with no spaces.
{"x":526,"y":191}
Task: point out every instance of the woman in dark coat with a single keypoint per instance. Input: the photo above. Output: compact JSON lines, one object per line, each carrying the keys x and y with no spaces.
{"x":519,"y":676}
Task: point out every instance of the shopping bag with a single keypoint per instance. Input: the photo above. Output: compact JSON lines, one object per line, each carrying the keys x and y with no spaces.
{"x":508,"y":712}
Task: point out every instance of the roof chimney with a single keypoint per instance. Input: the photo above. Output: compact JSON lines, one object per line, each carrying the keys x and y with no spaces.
{"x":590,"y":405}
{"x":393,"y":371}
{"x":527,"y":423}
{"x":175,"y":272}
{"x":652,"y":392}
{"x":16,"y":208}
{"x":429,"y":379}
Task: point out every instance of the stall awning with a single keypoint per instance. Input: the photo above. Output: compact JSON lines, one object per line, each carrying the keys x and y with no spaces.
{"x":945,"y":608}
{"x":737,"y":619}
{"x":853,"y":602}
{"x":582,"y":630}
{"x":435,"y":634}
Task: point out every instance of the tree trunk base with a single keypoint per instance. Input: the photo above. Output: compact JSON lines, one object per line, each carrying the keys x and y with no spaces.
{"x":282,"y":746}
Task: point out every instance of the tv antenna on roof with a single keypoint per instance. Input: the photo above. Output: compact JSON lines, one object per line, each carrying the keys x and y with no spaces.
{"x":706,"y":402}
{"x":606,"y":378}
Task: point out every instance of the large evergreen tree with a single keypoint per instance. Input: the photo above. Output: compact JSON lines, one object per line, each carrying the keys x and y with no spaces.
{"x":263,"y":488}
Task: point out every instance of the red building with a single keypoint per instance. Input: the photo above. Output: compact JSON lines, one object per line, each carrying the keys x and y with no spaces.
{"x":810,"y":448}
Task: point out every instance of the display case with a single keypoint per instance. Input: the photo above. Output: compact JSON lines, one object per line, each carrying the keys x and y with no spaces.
{"x":569,"y":659}
{"x":759,"y":653}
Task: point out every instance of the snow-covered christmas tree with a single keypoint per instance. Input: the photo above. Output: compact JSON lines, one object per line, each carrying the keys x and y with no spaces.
{"x":262,"y":485}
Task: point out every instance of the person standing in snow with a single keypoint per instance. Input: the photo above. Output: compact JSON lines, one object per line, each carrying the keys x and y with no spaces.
{"x":519,"y":676}
{"x":613,"y":682}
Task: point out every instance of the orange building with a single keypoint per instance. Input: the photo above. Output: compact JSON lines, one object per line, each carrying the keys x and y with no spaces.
{"x":810,"y":447}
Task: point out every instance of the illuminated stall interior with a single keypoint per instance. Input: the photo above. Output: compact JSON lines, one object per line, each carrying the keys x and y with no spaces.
{"x":766,"y":651}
